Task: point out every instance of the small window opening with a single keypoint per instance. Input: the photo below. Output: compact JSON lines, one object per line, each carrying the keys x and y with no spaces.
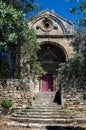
{"x":37,"y":27}
{"x":47,"y":25}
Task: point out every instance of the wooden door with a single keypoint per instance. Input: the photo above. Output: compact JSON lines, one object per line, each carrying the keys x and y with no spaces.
{"x":47,"y":82}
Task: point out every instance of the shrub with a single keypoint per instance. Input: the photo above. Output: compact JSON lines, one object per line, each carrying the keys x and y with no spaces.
{"x":29,"y":106}
{"x":5,"y":103}
{"x":33,"y":98}
{"x":84,"y":96}
{"x":12,"y":110}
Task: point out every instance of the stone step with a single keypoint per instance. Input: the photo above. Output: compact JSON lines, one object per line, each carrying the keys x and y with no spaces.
{"x":45,"y":100}
{"x":45,"y":110}
{"x":46,"y":105}
{"x":46,"y":113}
{"x":45,"y":126}
{"x":50,"y":120}
{"x":44,"y":116}
{"x":46,"y":95}
{"x":43,"y":120}
{"x":49,"y":104}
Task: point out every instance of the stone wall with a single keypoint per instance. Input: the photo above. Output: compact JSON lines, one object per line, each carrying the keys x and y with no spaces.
{"x":17,"y":91}
{"x":73,"y":95}
{"x":21,"y":92}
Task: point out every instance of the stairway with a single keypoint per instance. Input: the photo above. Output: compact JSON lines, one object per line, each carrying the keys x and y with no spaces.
{"x":45,"y":112}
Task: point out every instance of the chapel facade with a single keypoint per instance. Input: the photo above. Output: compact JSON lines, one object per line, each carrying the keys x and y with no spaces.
{"x":54,"y":35}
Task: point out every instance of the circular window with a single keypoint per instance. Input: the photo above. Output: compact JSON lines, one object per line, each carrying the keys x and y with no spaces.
{"x":47,"y":24}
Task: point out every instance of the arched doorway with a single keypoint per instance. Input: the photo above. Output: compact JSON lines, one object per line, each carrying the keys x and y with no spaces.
{"x":50,"y":55}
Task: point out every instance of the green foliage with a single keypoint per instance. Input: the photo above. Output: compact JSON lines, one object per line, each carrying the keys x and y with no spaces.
{"x":14,"y":31}
{"x":6,"y":103}
{"x":11,"y":25}
{"x":73,"y":10}
{"x":23,"y":5}
{"x":29,"y":107}
{"x":13,"y":110}
{"x":84,"y":96}
{"x":80,"y":9}
{"x":31,"y":49}
{"x":78,"y":40}
{"x":72,"y":70}
{"x":34,"y":98}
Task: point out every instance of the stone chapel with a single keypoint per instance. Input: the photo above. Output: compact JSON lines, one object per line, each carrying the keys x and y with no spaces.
{"x":54,"y":34}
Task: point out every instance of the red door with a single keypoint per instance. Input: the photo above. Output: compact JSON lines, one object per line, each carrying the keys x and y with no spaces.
{"x":47,"y":82}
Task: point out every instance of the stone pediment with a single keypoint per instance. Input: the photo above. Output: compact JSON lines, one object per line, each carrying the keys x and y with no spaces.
{"x":49,"y":23}
{"x":49,"y":57}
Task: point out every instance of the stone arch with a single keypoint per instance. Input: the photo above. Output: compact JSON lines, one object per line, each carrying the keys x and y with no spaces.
{"x":51,"y":54}
{"x":56,"y":44}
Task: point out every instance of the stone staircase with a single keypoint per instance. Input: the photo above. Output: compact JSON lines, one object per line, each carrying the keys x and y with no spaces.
{"x":46,"y":111}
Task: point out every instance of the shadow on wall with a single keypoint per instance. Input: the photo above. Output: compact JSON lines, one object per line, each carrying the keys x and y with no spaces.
{"x":57,"y":98}
{"x":63,"y":128}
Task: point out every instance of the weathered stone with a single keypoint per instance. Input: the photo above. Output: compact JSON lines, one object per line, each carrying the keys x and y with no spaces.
{"x":54,"y":41}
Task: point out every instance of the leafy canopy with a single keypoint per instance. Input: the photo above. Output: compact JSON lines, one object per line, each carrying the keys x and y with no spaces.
{"x":80,"y":9}
{"x":73,"y":71}
{"x":22,"y":5}
{"x":11,"y":25}
{"x":14,"y":31}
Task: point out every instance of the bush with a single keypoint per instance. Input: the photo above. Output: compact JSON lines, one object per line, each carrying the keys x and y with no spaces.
{"x":29,"y":106}
{"x":13,"y":110}
{"x":84,"y":96}
{"x":6,"y":103}
{"x":33,"y":98}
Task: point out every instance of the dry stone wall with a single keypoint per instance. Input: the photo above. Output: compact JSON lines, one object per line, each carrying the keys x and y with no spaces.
{"x":17,"y":92}
{"x":73,"y":95}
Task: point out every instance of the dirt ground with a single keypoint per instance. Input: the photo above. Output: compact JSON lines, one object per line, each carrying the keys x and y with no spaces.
{"x":4,"y":126}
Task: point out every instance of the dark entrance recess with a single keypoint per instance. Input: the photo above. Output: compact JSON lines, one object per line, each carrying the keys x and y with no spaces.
{"x":63,"y":128}
{"x":57,"y":98}
{"x":50,"y":56}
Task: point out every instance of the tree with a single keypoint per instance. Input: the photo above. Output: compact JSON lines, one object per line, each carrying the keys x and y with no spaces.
{"x":22,"y":5}
{"x":73,"y":71}
{"x":11,"y":25}
{"x":81,"y":9}
{"x":78,"y":40}
{"x":14,"y":32}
